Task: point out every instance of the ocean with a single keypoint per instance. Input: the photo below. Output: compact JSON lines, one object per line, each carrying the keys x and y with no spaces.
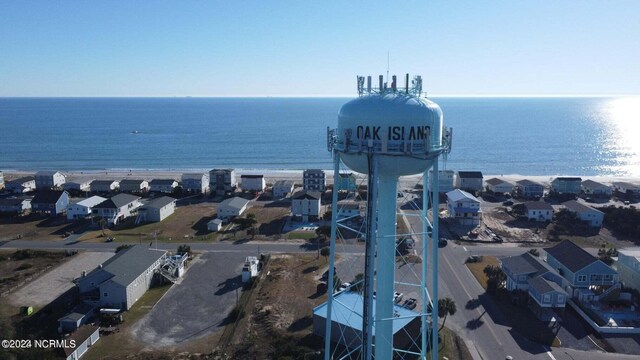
{"x":525,"y":136}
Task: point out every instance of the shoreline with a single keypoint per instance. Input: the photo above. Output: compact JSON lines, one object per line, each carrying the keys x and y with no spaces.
{"x":272,"y":175}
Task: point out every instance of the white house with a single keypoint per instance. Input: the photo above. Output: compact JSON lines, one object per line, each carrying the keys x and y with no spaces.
{"x":313,"y":179}
{"x":566,"y":185}
{"x":117,"y":208}
{"x":121,"y":280}
{"x":162,"y":185}
{"x":78,"y":185}
{"x":232,"y":207}
{"x":594,"y":188}
{"x":629,"y":267}
{"x":469,"y":180}
{"x":222,"y":181}
{"x":49,"y":180}
{"x":464,"y":207}
{"x":51,"y":202}
{"x":252,"y":182}
{"x":348,"y":209}
{"x":499,"y":186}
{"x":626,"y":188}
{"x":83,"y":209}
{"x":156,"y":210}
{"x":105,"y":186}
{"x":538,"y":211}
{"x":529,"y":189}
{"x":445,"y":180}
{"x":136,"y":186}
{"x":15,"y":206}
{"x":214,"y":225}
{"x":84,"y":337}
{"x":250,"y":268}
{"x":306,"y":205}
{"x":282,"y":188}
{"x":195,"y":183}
{"x":586,"y":213}
{"x":22,"y":185}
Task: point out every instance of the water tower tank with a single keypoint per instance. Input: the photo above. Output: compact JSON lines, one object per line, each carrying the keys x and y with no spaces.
{"x":403,"y":128}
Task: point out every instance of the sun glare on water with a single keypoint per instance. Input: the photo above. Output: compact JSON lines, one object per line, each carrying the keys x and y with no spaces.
{"x":624,"y":114}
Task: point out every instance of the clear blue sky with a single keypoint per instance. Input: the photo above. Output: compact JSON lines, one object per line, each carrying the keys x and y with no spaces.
{"x":258,"y":47}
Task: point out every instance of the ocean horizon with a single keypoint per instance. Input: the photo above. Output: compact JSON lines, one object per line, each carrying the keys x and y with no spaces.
{"x":589,"y":136}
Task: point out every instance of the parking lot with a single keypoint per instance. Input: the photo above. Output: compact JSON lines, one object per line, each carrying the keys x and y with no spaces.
{"x":197,"y":305}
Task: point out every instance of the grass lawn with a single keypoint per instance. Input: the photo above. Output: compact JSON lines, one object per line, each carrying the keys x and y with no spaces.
{"x":451,"y":346}
{"x":477,"y":269}
{"x":304,"y":235}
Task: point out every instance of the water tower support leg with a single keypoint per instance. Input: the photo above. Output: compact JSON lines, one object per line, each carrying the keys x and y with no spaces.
{"x":332,"y":247}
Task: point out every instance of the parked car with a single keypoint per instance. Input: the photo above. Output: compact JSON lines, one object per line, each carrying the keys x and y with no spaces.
{"x":397,"y":297}
{"x":507,"y":203}
{"x":344,"y":286}
{"x":410,"y":303}
{"x":474,"y":259}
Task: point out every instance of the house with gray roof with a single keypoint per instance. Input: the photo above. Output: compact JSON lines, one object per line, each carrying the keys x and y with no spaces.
{"x":529,"y":189}
{"x":538,"y":211}
{"x":282,"y":188}
{"x":105,"y":186}
{"x":469,"y":180}
{"x":232,"y":207}
{"x":464,"y":207}
{"x":15,"y":206}
{"x":121,"y":280}
{"x":156,"y":210}
{"x":135,"y":186}
{"x":50,"y":202}
{"x":195,"y":182}
{"x":117,"y":208}
{"x":163,"y":185}
{"x":499,"y":186}
{"x":48,"y":180}
{"x":591,"y":216}
{"x":596,"y":189}
{"x":21,"y":185}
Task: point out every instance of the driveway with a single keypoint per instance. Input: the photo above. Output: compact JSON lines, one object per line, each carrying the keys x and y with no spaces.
{"x":197,"y":306}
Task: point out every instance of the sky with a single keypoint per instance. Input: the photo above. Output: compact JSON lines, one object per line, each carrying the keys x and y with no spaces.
{"x":317,"y":48}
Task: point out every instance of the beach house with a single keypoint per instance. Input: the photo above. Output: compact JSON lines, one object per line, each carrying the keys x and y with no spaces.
{"x":566,"y":185}
{"x":538,"y":211}
{"x":104,"y":186}
{"x":499,"y":186}
{"x":15,"y":206}
{"x":214,"y":225}
{"x":348,"y":209}
{"x":121,"y":280}
{"x":629,"y":267}
{"x":47,"y":180}
{"x":346,"y":182}
{"x":314,"y":180}
{"x":445,"y":180}
{"x":252,"y":182}
{"x":282,"y":188}
{"x":529,"y":189}
{"x":585,"y":213}
{"x":625,"y":188}
{"x":222,"y":181}
{"x":464,"y":207}
{"x":83,"y":209}
{"x":156,"y":210}
{"x":596,"y":189}
{"x":134,"y":186}
{"x":52,"y":202}
{"x":117,"y":208}
{"x":580,"y":269}
{"x":83,"y":338}
{"x":469,"y":181}
{"x":162,"y":185}
{"x":197,"y":183}
{"x":21,"y":185}
{"x":305,"y":205}
{"x":78,"y":185}
{"x":232,"y":207}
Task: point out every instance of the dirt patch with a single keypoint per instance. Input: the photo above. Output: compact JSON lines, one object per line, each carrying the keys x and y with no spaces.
{"x":511,"y":229}
{"x":270,"y":219}
{"x":36,"y":226}
{"x":19,"y":267}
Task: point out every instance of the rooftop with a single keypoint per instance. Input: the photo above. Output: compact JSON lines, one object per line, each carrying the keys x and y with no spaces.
{"x":21,"y":180}
{"x":235,"y":202}
{"x":579,"y":207}
{"x":47,"y":197}
{"x":470,"y":174}
{"x":571,"y":255}
{"x":306,"y":194}
{"x":527,"y":182}
{"x":252,"y":176}
{"x":283,"y":183}
{"x":128,"y":264}
{"x":538,"y":205}
{"x":525,"y":264}
{"x":117,"y":201}
{"x":566,"y":178}
{"x":159,"y":202}
{"x":544,"y":286}
{"x":103,"y":182}
{"x":632,"y":252}
{"x":131,"y":182}
{"x":594,"y":184}
{"x":496,"y":181}
{"x":162,"y":182}
{"x":12,"y":202}
{"x":457,"y":195}
{"x":192,"y":176}
{"x":90,"y":202}
{"x":47,"y":173}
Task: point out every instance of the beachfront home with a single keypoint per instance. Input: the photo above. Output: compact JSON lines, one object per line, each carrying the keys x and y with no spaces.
{"x":529,"y":189}
{"x":22,"y":185}
{"x":156,"y":210}
{"x":314,"y":180}
{"x":121,"y":280}
{"x":83,"y":209}
{"x":538,"y":211}
{"x":134,"y":186}
{"x":305,"y":205}
{"x":252,"y":182}
{"x":348,"y":209}
{"x":282,"y":188}
{"x":346,"y":182}
{"x":214,"y":225}
{"x":543,"y":285}
{"x":585,"y":213}
{"x":222,"y":181}
{"x":625,"y":188}
{"x":162,"y":185}
{"x":580,"y":269}
{"x":445,"y":180}
{"x":197,"y":183}
{"x":83,"y":338}
{"x":629,"y":267}
{"x":47,"y":180}
{"x":595,"y":189}
{"x":232,"y":207}
{"x":469,"y":181}
{"x":464,"y":207}
{"x":52,"y":202}
{"x":104,"y":186}
{"x":498,"y":186}
{"x":566,"y":185}
{"x":117,"y":208}
{"x":15,"y":206}
{"x":78,"y":185}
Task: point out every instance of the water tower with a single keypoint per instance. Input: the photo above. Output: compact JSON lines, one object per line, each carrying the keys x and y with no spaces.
{"x":388,"y":132}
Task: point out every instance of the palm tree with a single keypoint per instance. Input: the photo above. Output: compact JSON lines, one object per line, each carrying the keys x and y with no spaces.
{"x":446,"y":307}
{"x":102,"y":222}
{"x":325,"y":252}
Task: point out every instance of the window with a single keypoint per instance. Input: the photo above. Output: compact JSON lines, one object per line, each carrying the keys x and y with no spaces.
{"x":582,"y":278}
{"x":547,"y":298}
{"x":106,"y":294}
{"x":560,"y":298}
